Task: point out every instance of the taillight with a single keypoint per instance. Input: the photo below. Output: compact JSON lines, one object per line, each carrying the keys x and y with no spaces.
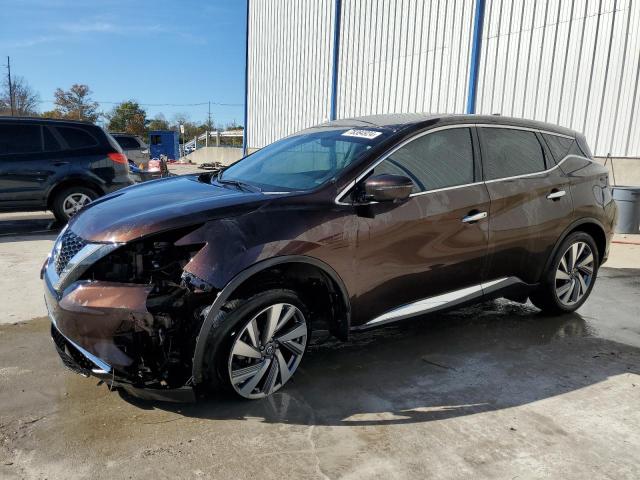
{"x":118,"y":157}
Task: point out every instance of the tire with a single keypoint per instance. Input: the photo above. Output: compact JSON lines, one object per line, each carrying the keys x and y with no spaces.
{"x":565,"y":287}
{"x":261,"y":372}
{"x":61,"y":203}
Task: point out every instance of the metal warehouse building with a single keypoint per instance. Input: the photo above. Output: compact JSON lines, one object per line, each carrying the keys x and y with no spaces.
{"x":571,"y":62}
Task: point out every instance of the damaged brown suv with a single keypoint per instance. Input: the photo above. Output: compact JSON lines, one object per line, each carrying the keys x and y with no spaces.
{"x":202,"y":281}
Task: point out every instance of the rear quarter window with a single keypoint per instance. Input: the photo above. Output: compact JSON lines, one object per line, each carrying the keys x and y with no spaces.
{"x":77,"y":138}
{"x":561,"y":146}
{"x":20,"y":138}
{"x":127,"y":143}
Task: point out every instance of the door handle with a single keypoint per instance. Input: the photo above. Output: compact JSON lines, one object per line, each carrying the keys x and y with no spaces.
{"x":556,"y":194}
{"x":59,"y":164}
{"x":474,"y":217}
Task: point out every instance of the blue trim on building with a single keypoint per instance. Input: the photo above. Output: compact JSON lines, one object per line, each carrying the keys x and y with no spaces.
{"x":336,"y":58}
{"x":474,"y":68}
{"x":245,"y":146}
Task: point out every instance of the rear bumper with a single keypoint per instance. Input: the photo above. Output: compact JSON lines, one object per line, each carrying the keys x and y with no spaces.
{"x":120,"y":182}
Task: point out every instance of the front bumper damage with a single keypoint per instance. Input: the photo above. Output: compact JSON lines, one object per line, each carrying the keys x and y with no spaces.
{"x":89,"y":345}
{"x":105,"y":329}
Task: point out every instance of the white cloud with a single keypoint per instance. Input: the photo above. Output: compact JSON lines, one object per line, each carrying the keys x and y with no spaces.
{"x":88,"y":27}
{"x":31,"y":42}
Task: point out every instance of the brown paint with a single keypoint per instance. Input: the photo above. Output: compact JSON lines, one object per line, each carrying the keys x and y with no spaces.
{"x":385,"y":254}
{"x":91,"y":314}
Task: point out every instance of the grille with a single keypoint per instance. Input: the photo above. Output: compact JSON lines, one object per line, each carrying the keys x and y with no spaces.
{"x":70,"y":244}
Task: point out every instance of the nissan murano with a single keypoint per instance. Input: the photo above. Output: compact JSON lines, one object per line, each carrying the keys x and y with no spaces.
{"x":216,"y":281}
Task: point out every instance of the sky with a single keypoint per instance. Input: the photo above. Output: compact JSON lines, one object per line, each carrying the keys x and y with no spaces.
{"x":155,"y":52}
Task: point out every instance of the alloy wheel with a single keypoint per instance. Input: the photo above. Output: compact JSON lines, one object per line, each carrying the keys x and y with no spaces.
{"x":267,"y":351}
{"x":74,"y":202}
{"x":574,"y":273}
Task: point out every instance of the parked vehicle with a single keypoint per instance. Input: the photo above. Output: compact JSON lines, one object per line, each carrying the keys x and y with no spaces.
{"x":57,"y":165}
{"x":210,"y":280}
{"x":189,"y":149}
{"x":133,"y":147}
{"x":141,"y":166}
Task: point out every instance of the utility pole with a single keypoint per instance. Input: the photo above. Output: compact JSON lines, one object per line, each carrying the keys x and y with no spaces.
{"x":208,"y":126}
{"x":10,"y":84}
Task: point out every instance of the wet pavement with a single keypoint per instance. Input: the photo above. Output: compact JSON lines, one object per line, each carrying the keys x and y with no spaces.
{"x":492,"y":391}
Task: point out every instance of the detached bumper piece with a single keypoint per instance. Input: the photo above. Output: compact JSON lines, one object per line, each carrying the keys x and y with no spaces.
{"x":78,"y":362}
{"x":71,"y":357}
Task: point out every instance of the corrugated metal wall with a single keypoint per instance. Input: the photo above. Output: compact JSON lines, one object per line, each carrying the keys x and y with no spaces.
{"x":289,"y":67}
{"x":571,"y":62}
{"x":404,"y":56}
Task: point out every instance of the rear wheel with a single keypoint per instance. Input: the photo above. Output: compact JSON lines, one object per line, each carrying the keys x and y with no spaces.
{"x":569,"y":281}
{"x":258,"y":343}
{"x":70,"y":201}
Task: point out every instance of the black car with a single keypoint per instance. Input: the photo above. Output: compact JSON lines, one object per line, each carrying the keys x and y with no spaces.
{"x":57,"y":165}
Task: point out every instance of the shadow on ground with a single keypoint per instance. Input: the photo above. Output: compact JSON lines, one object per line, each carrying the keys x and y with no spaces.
{"x":14,"y":228}
{"x":493,"y":356}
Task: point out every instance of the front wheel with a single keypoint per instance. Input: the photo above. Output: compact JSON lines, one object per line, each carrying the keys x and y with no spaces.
{"x":259,"y":343}
{"x":569,"y":281}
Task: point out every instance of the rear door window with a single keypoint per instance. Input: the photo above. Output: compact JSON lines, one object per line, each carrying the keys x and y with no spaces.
{"x":509,"y":152}
{"x":20,"y":138}
{"x":50,"y":142}
{"x":433,"y":161}
{"x":77,"y":138}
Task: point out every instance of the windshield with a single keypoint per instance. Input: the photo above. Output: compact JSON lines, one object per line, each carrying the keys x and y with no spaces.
{"x":304,"y":161}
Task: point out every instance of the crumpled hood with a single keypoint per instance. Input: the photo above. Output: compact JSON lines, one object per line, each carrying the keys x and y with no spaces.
{"x":160,"y":205}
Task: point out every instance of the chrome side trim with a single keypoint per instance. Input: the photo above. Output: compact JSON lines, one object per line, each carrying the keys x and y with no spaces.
{"x":516,"y":127}
{"x":87,"y":256}
{"x":540,"y":172}
{"x":439,"y":302}
{"x":345,"y":190}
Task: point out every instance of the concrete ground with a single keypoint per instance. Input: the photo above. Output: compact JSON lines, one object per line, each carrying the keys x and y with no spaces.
{"x":492,"y":391}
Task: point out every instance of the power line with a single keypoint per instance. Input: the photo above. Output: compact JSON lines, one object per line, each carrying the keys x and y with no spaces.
{"x":162,"y":104}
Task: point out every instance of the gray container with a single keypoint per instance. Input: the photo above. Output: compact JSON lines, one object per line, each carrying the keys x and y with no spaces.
{"x":628,"y":202}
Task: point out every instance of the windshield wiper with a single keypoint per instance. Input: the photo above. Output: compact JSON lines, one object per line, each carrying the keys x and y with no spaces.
{"x":239,"y":184}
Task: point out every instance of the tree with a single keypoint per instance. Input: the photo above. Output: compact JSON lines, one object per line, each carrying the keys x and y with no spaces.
{"x":52,"y":114}
{"x":25,"y":99}
{"x":234,"y":126}
{"x":159,"y":122}
{"x":128,"y":117}
{"x":75,"y":104}
{"x":191,"y":129}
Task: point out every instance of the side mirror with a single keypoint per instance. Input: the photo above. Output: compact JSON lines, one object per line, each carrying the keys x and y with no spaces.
{"x":387,"y":188}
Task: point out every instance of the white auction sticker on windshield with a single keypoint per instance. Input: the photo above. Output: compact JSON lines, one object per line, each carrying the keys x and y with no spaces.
{"x":368,"y":134}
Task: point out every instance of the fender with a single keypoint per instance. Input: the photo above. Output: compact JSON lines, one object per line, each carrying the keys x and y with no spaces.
{"x":235,"y":282}
{"x":565,"y":233}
